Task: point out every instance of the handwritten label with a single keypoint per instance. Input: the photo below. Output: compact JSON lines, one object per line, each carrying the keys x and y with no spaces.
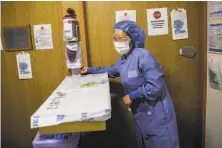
{"x":57,"y":100}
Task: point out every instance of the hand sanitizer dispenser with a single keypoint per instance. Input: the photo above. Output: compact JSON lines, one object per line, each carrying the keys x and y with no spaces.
{"x":73,"y":55}
{"x":73,"y":50}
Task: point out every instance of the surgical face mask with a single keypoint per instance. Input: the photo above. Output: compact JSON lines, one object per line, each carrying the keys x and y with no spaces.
{"x":122,"y":47}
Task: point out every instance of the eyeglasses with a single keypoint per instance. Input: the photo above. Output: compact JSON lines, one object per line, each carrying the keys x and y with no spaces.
{"x":124,"y":39}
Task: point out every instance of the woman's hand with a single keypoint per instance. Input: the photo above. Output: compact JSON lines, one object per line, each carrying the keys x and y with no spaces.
{"x":83,"y":70}
{"x":127,"y":100}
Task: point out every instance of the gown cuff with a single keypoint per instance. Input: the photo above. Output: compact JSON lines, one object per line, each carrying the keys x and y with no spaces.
{"x":133,"y":95}
{"x":91,"y":70}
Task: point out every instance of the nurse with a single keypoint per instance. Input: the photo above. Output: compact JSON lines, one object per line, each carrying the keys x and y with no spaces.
{"x":145,"y":89}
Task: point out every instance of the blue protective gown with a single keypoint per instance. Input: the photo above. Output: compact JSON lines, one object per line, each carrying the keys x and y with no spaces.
{"x":143,"y":80}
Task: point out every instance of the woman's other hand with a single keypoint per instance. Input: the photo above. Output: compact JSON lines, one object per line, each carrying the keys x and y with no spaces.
{"x":127,"y":100}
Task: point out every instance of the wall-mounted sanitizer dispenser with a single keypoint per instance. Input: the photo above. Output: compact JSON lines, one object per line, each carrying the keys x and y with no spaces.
{"x":73,"y":55}
{"x":73,"y":50}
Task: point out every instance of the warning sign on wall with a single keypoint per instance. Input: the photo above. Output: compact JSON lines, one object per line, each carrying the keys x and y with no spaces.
{"x":157,"y":20}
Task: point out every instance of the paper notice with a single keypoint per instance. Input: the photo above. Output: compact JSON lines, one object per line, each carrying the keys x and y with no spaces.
{"x":126,"y":15}
{"x":215,"y":9}
{"x":157,"y":20}
{"x":43,"y":36}
{"x":24,"y":66}
{"x":215,"y":37}
{"x":215,"y":73}
{"x":179,"y":24}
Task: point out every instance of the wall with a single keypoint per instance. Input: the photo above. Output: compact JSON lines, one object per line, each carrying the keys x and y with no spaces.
{"x":21,"y":98}
{"x":213,"y":112}
{"x":212,"y":99}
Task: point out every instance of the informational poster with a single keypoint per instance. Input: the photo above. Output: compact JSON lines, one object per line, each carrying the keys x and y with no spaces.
{"x":24,"y":66}
{"x":157,"y":20}
{"x":215,"y":37}
{"x":214,"y":9}
{"x":43,"y":36}
{"x":179,"y":24}
{"x":126,"y":15}
{"x":215,"y":73}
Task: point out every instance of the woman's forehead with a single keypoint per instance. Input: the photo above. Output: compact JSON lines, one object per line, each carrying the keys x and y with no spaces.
{"x":119,"y":33}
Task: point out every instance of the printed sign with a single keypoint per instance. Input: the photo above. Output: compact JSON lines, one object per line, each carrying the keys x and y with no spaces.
{"x":43,"y":36}
{"x":157,"y":20}
{"x":214,"y":10}
{"x":215,"y":37}
{"x":179,"y":24}
{"x":24,"y":66}
{"x":215,"y":73}
{"x":126,"y":15}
